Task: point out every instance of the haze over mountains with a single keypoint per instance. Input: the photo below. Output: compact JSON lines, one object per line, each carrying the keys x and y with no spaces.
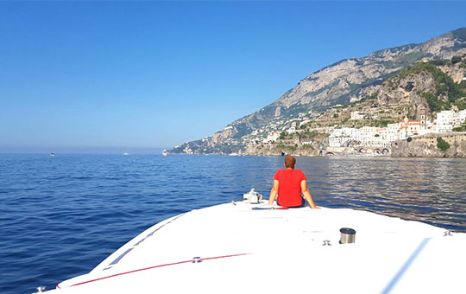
{"x":347,"y":81}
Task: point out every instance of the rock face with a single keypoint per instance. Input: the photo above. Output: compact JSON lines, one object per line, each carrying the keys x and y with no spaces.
{"x":407,"y":91}
{"x":428,"y":146}
{"x":347,"y":81}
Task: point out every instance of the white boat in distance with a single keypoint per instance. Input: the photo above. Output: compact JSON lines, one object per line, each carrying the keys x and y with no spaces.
{"x":165,"y":152}
{"x":244,"y":247}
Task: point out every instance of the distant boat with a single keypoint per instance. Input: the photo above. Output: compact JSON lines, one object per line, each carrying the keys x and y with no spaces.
{"x":165,"y":152}
{"x":125,"y":153}
{"x":52,"y":154}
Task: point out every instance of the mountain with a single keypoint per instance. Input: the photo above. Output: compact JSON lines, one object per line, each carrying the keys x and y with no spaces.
{"x":345,"y":82}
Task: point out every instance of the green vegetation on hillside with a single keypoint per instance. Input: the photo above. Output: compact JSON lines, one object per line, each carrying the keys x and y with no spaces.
{"x":309,"y":134}
{"x":440,"y":62}
{"x":381,"y":123}
{"x":461,"y":104}
{"x":442,"y":144}
{"x":461,"y":128}
{"x":444,"y":84}
{"x":286,"y":147}
{"x":418,"y":68}
{"x":305,"y":134}
{"x":434,"y":103}
{"x":455,"y":59}
{"x":283,"y":135}
{"x":460,"y":34}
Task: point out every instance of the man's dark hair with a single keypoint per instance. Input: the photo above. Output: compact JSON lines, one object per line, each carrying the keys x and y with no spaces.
{"x":290,"y":161}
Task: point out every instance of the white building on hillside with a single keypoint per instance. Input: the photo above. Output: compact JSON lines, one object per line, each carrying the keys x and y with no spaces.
{"x":449,"y":119}
{"x":462,"y":116}
{"x":410,"y":128}
{"x":272,"y":137}
{"x":393,"y":132}
{"x":304,"y":122}
{"x":356,"y":115}
{"x":340,"y":137}
{"x":445,"y":121}
{"x":365,"y":136}
{"x":373,"y":137}
{"x":376,"y":137}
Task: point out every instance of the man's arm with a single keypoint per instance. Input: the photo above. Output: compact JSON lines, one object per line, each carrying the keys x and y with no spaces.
{"x":307,"y":194}
{"x":273,"y":192}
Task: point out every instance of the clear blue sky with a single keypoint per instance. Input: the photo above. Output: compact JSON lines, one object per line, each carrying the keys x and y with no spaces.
{"x":97,"y":75}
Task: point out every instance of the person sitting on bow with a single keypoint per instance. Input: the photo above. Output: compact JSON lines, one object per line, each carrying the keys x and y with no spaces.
{"x":288,"y":186}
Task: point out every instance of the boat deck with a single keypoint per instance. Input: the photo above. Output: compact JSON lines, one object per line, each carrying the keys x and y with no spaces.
{"x":241,"y":248}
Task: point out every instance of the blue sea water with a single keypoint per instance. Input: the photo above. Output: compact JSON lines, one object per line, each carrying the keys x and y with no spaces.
{"x":60,"y":216}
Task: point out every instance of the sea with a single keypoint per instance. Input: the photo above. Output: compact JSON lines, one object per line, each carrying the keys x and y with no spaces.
{"x":62,"y":215}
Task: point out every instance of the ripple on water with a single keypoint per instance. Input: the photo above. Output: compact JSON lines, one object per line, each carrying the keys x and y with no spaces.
{"x":62,"y":216}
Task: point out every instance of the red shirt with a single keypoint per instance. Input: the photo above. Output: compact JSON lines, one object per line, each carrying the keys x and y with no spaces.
{"x":289,"y":188}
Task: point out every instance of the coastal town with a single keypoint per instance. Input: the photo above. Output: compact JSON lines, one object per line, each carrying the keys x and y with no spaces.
{"x":280,"y":136}
{"x":408,"y":101}
{"x":382,"y":137}
{"x":365,"y":139}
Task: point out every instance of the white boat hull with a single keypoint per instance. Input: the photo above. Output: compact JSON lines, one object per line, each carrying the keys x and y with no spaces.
{"x":246,"y":248}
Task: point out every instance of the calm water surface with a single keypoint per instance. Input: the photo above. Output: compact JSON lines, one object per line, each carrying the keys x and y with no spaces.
{"x":60,"y":216}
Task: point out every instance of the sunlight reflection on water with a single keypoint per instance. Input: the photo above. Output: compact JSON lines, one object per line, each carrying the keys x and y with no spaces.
{"x":429,"y":190}
{"x":61,"y":216}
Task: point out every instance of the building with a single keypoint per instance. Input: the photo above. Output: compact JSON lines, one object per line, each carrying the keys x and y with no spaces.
{"x":462,"y":116}
{"x":449,"y":119}
{"x":393,"y":132}
{"x":422,"y":114}
{"x":291,"y":130}
{"x":376,"y":137}
{"x":410,"y":128}
{"x":372,"y":137}
{"x":272,"y":137}
{"x":365,"y":136}
{"x":356,"y":115}
{"x":304,"y":122}
{"x":340,"y":137}
{"x":445,"y":121}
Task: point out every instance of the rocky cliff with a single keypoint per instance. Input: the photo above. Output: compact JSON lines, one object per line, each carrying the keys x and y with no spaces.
{"x":445,"y":145}
{"x":343,"y":83}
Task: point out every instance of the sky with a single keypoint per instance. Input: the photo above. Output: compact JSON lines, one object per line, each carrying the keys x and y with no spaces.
{"x":126,"y":75}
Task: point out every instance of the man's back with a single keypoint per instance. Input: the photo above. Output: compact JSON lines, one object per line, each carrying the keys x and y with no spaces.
{"x":288,"y":184}
{"x":289,"y":189}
